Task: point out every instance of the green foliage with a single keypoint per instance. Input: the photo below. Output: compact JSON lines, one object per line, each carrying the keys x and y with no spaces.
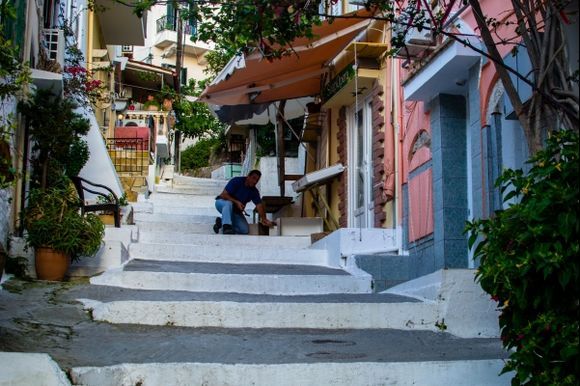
{"x":266,"y":139}
{"x":52,"y":219}
{"x":216,"y":61}
{"x":198,"y":155}
{"x":194,"y":119}
{"x":55,"y":129}
{"x":76,"y":158}
{"x":111,"y":199}
{"x":261,"y":24}
{"x":529,"y":264}
{"x":13,"y":75}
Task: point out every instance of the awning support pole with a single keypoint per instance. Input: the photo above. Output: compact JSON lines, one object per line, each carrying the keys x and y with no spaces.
{"x":280,"y":150}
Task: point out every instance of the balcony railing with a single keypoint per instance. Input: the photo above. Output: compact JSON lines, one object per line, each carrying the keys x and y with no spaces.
{"x":129,"y":155}
{"x":169,"y":23}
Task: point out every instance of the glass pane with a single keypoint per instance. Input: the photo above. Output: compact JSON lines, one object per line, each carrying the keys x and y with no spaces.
{"x":360,"y":165}
{"x":368,"y":111}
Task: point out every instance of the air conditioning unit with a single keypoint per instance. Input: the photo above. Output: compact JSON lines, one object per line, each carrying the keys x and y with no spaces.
{"x":419,"y":38}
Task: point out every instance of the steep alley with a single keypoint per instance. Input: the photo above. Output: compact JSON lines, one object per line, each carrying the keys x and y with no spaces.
{"x":194,"y":308}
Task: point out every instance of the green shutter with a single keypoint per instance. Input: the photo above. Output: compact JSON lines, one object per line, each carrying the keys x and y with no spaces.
{"x":14,"y":28}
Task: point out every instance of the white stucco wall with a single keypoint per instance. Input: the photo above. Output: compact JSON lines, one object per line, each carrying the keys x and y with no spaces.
{"x":191,"y":61}
{"x":268,"y":184}
{"x":99,"y":168}
{"x":8,"y":107}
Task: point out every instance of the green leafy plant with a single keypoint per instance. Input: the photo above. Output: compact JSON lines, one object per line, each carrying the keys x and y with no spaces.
{"x":53,"y":219}
{"x":198,"y":155}
{"x":194,"y":119}
{"x":109,"y":198}
{"x":55,"y":128}
{"x":266,"y":140}
{"x":13,"y":75}
{"x":529,"y":263}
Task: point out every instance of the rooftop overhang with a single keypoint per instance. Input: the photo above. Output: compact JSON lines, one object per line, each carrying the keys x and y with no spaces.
{"x":446,"y":73}
{"x":254,"y":80}
{"x":133,"y":76}
{"x":119,"y":24}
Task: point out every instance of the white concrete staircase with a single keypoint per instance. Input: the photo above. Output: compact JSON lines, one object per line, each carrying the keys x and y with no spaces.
{"x":274,"y":311}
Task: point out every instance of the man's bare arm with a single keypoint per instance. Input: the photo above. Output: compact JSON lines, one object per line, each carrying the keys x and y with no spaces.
{"x":263,"y":219}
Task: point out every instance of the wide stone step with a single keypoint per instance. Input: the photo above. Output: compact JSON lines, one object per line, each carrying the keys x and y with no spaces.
{"x":140,"y":217}
{"x":129,"y":354}
{"x":193,"y":190}
{"x":173,"y":199}
{"x":357,"y":372}
{"x":188,"y":210}
{"x":311,"y":312}
{"x":235,"y":310}
{"x":273,"y":279}
{"x":169,"y":226}
{"x":228,"y":252}
{"x":183,"y":236}
{"x":179,"y":179}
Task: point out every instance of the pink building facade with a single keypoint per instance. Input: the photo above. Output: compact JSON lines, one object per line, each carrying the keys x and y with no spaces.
{"x":456,"y":133}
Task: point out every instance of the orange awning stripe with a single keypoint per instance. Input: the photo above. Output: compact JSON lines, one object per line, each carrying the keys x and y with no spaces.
{"x":298,"y":75}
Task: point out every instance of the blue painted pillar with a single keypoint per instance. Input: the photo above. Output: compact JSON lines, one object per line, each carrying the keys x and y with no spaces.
{"x":448,"y":146}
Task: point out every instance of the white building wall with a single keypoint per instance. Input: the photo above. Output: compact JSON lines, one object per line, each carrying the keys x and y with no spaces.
{"x":194,"y":63}
{"x":99,"y":168}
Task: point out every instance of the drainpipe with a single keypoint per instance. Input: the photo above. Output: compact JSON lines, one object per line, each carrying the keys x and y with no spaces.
{"x":398,"y":207}
{"x":90,"y":26}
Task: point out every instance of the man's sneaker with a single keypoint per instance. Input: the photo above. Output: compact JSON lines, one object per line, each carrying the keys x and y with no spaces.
{"x":228,"y":230}
{"x":217,"y":225}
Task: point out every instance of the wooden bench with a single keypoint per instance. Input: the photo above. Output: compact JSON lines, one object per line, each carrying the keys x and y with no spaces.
{"x":83,"y":185}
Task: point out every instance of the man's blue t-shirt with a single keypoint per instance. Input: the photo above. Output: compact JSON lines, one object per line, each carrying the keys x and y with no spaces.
{"x":237,"y":188}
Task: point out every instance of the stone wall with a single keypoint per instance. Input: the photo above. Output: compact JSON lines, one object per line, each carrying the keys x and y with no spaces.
{"x":378,"y":149}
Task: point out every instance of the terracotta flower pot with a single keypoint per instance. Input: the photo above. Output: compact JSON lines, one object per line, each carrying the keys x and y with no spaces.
{"x":167,"y":104}
{"x":50,"y":264}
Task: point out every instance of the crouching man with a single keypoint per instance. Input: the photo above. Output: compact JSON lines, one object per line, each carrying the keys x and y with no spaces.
{"x":231,"y":203}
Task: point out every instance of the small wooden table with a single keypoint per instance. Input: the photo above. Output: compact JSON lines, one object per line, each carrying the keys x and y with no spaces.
{"x":272,"y":204}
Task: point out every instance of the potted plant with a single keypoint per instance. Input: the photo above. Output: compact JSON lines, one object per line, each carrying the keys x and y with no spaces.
{"x":58,"y":232}
{"x":52,"y":219}
{"x":151,"y":104}
{"x":107,"y":216}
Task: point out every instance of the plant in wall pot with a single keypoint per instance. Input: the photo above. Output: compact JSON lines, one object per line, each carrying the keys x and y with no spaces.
{"x":58,"y":232}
